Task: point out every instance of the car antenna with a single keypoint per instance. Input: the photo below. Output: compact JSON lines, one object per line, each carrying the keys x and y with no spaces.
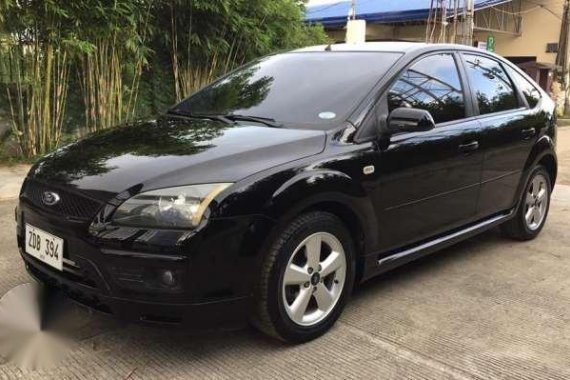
{"x":328,"y":47}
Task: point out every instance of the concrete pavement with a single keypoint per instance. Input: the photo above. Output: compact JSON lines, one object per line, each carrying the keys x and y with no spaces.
{"x":485,"y":308}
{"x":563,"y":153}
{"x":11,"y":178}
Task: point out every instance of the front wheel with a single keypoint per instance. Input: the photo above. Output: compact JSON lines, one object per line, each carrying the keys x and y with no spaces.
{"x":306,"y":278}
{"x":533,"y":208}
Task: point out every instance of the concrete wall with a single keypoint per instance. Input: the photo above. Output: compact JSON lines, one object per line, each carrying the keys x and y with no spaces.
{"x":539,"y":27}
{"x":375,"y":32}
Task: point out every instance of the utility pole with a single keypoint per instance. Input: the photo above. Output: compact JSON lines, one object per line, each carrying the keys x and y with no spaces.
{"x":435,"y":13}
{"x":443,"y":27}
{"x":355,"y":29}
{"x":453,"y":38}
{"x":352,"y":13}
{"x":562,"y":56}
{"x":468,"y":27}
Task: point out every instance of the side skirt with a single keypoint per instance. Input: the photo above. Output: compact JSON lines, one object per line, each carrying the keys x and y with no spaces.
{"x":409,"y":254}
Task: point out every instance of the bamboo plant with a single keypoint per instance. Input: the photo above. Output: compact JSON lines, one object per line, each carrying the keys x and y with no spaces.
{"x":102,"y":49}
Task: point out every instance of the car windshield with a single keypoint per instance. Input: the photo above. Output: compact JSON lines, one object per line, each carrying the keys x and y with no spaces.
{"x":303,"y":89}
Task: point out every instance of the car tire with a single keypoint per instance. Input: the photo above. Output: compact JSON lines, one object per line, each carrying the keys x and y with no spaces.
{"x":294,"y":301}
{"x":533,"y":207}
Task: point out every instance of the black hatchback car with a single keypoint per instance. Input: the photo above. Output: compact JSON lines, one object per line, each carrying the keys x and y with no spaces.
{"x":269,"y":194}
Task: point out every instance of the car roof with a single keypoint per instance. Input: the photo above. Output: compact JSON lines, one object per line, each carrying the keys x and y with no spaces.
{"x":387,"y":46}
{"x":367,"y":46}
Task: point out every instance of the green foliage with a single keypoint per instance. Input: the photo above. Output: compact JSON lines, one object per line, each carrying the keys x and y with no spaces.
{"x":126,"y":59}
{"x":34,"y":70}
{"x":253,"y":27}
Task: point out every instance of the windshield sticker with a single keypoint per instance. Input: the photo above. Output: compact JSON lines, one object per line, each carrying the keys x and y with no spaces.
{"x":327,"y":115}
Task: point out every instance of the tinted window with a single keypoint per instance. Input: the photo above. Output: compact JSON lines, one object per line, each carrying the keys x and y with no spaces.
{"x":318,"y":88}
{"x":489,"y":82}
{"x":432,"y":84}
{"x":529,"y":91}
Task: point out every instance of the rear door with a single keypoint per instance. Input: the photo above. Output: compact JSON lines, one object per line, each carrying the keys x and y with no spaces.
{"x":429,"y":181}
{"x":508,"y":130}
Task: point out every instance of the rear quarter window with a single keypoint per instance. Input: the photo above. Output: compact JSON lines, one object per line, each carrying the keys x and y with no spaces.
{"x":529,"y":90}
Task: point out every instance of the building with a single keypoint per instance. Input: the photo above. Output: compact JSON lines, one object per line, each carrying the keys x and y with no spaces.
{"x":527,"y":32}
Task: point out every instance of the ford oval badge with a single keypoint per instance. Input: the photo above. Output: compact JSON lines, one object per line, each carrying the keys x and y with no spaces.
{"x":50,"y":198}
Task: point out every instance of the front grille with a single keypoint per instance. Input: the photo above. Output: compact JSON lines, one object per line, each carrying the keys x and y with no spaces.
{"x":70,"y":204}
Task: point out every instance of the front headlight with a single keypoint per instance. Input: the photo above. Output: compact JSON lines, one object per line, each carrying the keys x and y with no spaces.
{"x":179,"y":207}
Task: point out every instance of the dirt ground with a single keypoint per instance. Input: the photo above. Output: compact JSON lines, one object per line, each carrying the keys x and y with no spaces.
{"x":485,"y":308}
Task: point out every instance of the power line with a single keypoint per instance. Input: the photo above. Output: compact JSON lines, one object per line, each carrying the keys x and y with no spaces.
{"x":541,"y":5}
{"x":328,"y":6}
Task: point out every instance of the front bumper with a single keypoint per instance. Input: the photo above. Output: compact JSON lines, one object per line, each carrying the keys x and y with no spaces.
{"x":117,"y":273}
{"x":225,"y":313}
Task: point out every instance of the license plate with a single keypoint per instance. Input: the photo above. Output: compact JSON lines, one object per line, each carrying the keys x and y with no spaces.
{"x":44,"y":247}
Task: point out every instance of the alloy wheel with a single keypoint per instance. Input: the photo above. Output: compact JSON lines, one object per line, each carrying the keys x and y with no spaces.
{"x":314,"y":279}
{"x":536,"y":202}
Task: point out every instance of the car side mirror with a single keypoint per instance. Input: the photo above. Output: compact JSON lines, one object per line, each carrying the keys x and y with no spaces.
{"x":405,"y":119}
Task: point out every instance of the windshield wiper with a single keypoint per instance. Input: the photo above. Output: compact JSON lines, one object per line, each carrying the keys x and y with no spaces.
{"x":257,"y":119}
{"x":229,"y":118}
{"x":221,"y":118}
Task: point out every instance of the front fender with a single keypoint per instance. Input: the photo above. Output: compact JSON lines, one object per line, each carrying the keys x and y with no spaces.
{"x":322,"y":188}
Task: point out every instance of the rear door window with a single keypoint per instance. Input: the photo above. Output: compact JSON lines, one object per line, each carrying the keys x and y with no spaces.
{"x":490,"y":84}
{"x":432,"y":84}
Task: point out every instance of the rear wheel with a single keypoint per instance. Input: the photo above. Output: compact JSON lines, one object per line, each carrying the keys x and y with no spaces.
{"x":306,"y":278}
{"x":533,"y":209}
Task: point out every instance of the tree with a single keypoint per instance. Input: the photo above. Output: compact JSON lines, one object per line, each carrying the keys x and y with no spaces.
{"x":35,"y":62}
{"x":108,"y":47}
{"x":208,"y":38}
{"x":112,"y":39}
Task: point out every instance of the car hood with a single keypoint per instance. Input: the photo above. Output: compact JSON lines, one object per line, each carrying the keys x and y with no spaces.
{"x":173,"y":151}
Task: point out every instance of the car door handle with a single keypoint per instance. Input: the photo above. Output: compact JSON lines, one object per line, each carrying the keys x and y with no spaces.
{"x":528,"y":133}
{"x":469,"y":147}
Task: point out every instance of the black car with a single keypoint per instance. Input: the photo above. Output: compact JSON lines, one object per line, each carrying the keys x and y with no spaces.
{"x":269,"y":194}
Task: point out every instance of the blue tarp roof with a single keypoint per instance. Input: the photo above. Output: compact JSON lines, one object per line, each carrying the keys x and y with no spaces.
{"x":379,"y":11}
